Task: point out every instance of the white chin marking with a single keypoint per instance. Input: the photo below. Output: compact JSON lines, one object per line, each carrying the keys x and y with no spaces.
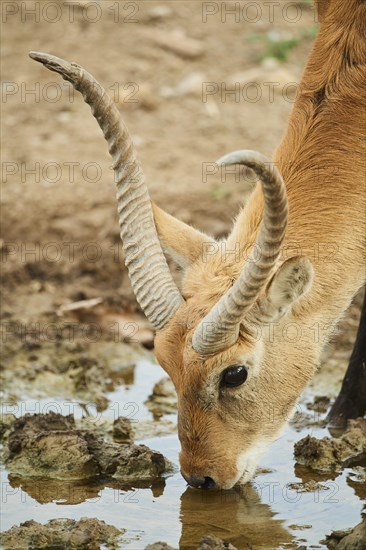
{"x":248,"y":460}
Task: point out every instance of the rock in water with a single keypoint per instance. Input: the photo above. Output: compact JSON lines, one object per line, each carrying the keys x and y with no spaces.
{"x":214,"y":543}
{"x":333,"y":454}
{"x":87,"y":533}
{"x":49,"y":446}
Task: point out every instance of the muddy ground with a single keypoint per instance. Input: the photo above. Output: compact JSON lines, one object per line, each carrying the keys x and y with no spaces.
{"x":170,"y":66}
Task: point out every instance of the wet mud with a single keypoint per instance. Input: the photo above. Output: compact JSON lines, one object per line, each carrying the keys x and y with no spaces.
{"x":214,"y":543}
{"x":159,"y":546}
{"x":71,"y":366}
{"x":332,"y":454}
{"x":351,"y":539}
{"x":87,"y":533}
{"x":49,"y":446}
{"x":123,"y":430}
{"x":163,"y":399}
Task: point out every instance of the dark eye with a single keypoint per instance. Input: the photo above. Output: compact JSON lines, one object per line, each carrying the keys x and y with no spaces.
{"x":234,"y":376}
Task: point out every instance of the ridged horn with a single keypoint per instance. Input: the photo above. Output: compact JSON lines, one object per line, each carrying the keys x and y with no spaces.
{"x":148,"y":270}
{"x":220,"y":328}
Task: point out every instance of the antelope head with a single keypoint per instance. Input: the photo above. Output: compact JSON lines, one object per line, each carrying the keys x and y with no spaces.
{"x":236,"y":379}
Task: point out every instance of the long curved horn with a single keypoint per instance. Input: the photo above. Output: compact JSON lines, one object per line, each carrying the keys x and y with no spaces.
{"x":150,"y":277}
{"x":220,"y":328}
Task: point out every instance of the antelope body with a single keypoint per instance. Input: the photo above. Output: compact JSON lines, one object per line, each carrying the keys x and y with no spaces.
{"x":241,"y":339}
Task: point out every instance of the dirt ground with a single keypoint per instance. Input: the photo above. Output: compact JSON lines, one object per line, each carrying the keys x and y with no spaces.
{"x":60,"y":232}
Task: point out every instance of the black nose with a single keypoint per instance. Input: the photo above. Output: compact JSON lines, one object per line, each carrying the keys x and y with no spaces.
{"x":200,"y":482}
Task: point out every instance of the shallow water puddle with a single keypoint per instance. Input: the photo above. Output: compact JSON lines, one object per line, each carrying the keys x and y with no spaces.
{"x":267,"y":513}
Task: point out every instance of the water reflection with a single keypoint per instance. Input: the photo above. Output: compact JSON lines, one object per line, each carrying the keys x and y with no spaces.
{"x":237,"y":516}
{"x":68,"y":492}
{"x":306,"y":474}
{"x":264,"y":515}
{"x":357,"y":480}
{"x":246,"y":516}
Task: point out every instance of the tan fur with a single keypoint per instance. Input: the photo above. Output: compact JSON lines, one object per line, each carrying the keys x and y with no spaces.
{"x":181,"y":241}
{"x":322,"y":160}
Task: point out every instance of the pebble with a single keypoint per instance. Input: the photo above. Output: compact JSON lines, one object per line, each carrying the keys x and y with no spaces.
{"x":122,"y":429}
{"x":159,"y":12}
{"x":176,"y":41}
{"x":191,"y":84}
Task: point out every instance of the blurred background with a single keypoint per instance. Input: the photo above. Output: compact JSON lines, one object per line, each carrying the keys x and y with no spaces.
{"x":193,"y":80}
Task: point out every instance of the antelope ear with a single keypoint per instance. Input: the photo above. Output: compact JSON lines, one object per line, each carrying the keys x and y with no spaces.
{"x":291,"y":281}
{"x":181,"y":241}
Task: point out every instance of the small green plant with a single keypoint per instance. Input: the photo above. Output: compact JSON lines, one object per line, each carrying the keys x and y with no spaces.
{"x":274,"y":46}
{"x":254,"y":37}
{"x":219,"y":193}
{"x":307,"y":4}
{"x":279,"y":49}
{"x":311,"y":32}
